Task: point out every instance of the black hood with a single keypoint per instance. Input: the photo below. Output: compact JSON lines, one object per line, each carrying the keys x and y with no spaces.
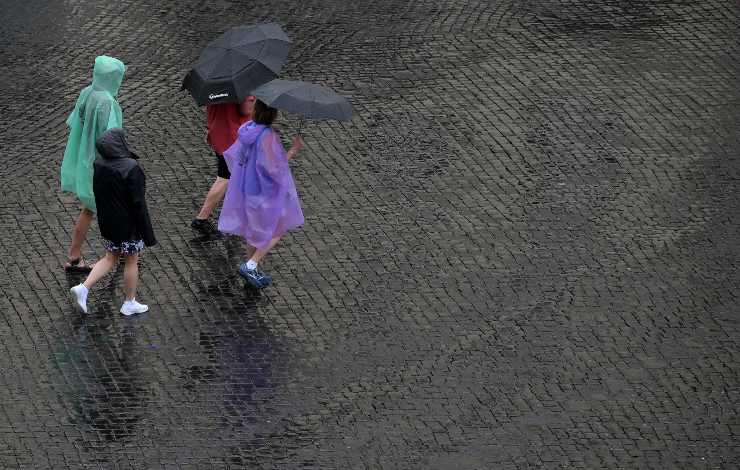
{"x":112,"y":144}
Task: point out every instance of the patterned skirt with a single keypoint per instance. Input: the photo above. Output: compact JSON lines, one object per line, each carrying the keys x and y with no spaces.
{"x":130,"y":247}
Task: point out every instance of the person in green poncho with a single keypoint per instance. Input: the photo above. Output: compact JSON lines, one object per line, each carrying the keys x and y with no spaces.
{"x":95,"y":112}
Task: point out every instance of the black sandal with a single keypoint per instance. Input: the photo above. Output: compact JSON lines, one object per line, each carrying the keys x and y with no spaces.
{"x":77,"y":265}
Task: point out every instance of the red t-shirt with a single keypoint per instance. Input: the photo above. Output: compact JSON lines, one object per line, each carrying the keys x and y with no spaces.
{"x":223,"y":123}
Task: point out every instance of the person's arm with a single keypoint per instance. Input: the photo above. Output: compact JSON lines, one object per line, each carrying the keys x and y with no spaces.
{"x":137,"y":188}
{"x":295,"y":147}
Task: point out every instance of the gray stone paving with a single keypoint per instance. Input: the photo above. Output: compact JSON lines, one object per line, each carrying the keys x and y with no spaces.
{"x":521,"y":253}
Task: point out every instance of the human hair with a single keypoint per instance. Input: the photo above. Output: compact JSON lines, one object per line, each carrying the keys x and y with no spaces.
{"x":263,"y":114}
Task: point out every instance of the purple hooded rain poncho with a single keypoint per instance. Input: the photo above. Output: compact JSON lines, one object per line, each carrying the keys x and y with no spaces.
{"x":261,"y":201}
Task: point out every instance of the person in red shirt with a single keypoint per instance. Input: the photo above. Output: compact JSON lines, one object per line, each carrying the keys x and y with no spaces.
{"x":223,"y":122}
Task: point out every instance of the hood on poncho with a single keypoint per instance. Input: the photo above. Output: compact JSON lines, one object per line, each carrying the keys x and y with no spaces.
{"x":249,"y":132}
{"x":107,"y":78}
{"x":112,"y":144}
{"x":108,"y":74}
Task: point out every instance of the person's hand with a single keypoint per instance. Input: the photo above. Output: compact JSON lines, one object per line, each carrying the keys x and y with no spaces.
{"x":297,"y":144}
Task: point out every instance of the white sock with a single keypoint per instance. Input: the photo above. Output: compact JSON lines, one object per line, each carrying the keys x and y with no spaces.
{"x":251,"y":264}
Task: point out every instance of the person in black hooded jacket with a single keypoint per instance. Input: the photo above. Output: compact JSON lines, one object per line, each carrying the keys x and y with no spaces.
{"x":123,"y":217}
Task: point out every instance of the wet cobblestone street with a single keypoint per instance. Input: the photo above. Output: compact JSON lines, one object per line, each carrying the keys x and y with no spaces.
{"x":521,"y":253}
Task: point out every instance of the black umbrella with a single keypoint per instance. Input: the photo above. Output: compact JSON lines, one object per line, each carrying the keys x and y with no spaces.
{"x":238,"y":61}
{"x":309,"y":100}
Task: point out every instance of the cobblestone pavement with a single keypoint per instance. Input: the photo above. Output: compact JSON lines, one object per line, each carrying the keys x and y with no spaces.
{"x":521,"y":253}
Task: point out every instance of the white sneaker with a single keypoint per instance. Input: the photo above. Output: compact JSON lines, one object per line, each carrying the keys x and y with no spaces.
{"x":79,"y":295}
{"x":131,"y":307}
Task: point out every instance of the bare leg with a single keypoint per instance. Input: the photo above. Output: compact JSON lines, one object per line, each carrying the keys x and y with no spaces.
{"x":259,"y":254}
{"x":80,"y":232}
{"x":101,"y":268}
{"x":215,"y":195}
{"x":130,"y":276}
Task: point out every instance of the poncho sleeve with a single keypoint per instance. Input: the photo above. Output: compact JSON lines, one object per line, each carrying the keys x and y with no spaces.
{"x":115,"y":117}
{"x":108,"y":116}
{"x":233,"y":154}
{"x":73,"y":120}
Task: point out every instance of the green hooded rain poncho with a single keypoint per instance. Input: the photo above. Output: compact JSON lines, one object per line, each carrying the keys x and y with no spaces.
{"x":95,"y":112}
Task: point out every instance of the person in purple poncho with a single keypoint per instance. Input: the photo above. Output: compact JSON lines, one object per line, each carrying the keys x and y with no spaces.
{"x":261,"y":202}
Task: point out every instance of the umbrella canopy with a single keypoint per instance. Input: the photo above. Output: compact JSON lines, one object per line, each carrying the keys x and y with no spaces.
{"x":309,"y":100}
{"x":239,"y":60}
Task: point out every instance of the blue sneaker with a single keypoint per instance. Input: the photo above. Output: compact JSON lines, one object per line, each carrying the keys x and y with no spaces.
{"x":255,"y":278}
